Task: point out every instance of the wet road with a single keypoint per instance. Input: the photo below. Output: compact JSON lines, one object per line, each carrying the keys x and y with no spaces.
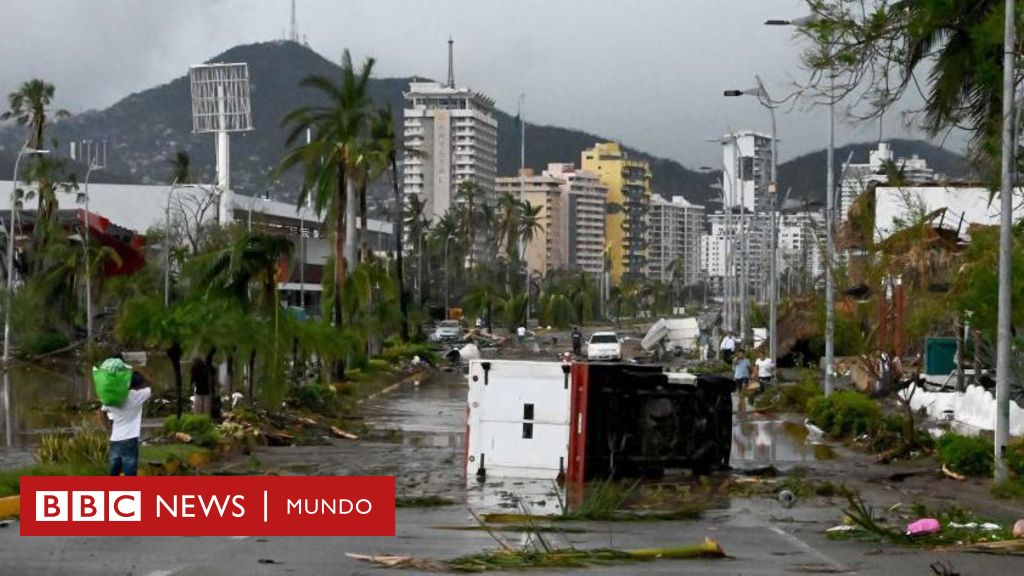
{"x":418,"y":436}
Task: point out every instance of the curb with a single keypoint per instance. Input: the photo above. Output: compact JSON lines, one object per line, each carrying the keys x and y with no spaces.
{"x":10,"y":507}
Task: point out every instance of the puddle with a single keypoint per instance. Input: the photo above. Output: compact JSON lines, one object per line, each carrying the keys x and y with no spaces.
{"x":776,"y":441}
{"x":34,"y":398}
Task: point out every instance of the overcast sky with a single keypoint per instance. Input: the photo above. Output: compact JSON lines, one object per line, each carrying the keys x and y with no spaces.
{"x":648,"y":72}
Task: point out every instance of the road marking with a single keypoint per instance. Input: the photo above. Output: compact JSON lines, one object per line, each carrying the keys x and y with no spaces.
{"x":804,"y":546}
{"x":161,"y":573}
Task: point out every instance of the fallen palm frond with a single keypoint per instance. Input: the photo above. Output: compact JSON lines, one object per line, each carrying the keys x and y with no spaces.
{"x":1011,"y":547}
{"x":517,"y":528}
{"x":558,"y":558}
{"x":687,"y":512}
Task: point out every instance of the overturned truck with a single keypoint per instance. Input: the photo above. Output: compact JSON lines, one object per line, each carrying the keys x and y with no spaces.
{"x":584,"y":421}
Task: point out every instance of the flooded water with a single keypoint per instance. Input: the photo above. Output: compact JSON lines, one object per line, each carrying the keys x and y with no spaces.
{"x":776,"y":441}
{"x":35,"y":398}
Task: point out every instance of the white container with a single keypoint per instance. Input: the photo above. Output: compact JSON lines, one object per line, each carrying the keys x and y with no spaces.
{"x":517,"y":419}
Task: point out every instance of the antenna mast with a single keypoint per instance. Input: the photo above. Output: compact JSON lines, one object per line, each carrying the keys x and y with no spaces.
{"x":451,"y":63}
{"x":293,"y":33}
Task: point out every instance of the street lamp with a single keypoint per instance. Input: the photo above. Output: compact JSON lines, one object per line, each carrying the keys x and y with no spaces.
{"x":765,"y":100}
{"x":447,"y":238}
{"x":252,"y":202}
{"x":10,"y":252}
{"x":829,"y":217}
{"x":93,"y":167}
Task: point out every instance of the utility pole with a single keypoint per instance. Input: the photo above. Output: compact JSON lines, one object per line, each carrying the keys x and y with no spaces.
{"x":830,"y":320}
{"x":1004,"y":344}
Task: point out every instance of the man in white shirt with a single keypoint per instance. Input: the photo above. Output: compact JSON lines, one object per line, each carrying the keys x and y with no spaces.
{"x":728,"y":347}
{"x":126,"y":427}
{"x":765,"y":370}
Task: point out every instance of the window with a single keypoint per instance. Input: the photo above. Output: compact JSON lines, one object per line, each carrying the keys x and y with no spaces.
{"x":527,"y":411}
{"x":527,"y":431}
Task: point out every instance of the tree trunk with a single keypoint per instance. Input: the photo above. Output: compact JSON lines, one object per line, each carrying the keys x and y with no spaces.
{"x":339,"y":261}
{"x":252,"y":377}
{"x":403,"y":303}
{"x":363,"y":231}
{"x":174,"y":354}
{"x":214,"y":375}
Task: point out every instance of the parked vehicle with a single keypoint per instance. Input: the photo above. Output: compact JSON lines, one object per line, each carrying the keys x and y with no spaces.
{"x":604,"y":346}
{"x":448,"y":330}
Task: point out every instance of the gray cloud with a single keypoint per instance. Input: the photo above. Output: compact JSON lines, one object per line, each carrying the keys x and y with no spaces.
{"x":649,"y":72}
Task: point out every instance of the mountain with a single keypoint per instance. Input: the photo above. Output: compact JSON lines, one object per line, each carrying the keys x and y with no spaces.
{"x":144,"y":129}
{"x":806,"y":174}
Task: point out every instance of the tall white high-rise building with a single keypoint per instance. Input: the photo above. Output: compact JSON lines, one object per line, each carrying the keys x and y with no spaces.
{"x":451,"y":136}
{"x":747,"y":168}
{"x":584,"y":200}
{"x":674,"y":229}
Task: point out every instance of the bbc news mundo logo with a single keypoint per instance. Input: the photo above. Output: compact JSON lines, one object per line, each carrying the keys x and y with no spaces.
{"x":89,"y":506}
{"x":208,"y":506}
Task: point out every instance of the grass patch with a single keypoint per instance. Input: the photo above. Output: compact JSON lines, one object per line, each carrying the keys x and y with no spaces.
{"x":165,"y":452}
{"x":1009,"y":490}
{"x":432,"y":501}
{"x":845,"y":414}
{"x":10,"y":483}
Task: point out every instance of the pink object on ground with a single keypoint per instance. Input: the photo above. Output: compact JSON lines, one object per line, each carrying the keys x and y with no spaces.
{"x":1018,"y":529}
{"x":924,"y":527}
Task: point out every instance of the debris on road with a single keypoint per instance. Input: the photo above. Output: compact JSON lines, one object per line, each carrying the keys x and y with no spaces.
{"x":342,"y":434}
{"x":1018,"y":529}
{"x":924,"y":527}
{"x":509,"y":559}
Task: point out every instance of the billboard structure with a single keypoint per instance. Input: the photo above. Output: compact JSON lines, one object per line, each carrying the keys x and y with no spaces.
{"x":221,"y":105}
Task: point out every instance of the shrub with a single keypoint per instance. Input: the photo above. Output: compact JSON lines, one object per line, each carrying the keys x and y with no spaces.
{"x":1015,"y":458}
{"x":198,"y":426}
{"x":710,"y":367}
{"x":399,"y":352}
{"x":845,"y":414}
{"x":794,"y":397}
{"x":970,"y":455}
{"x":38,"y":343}
{"x":316,"y":397}
{"x":88,"y":446}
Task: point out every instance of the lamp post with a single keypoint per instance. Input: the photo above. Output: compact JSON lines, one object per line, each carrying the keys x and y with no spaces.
{"x":765,"y":100}
{"x":252,"y":202}
{"x":10,"y":252}
{"x":829,"y":217}
{"x":447,"y":238}
{"x":1004,"y":336}
{"x":93,"y":166}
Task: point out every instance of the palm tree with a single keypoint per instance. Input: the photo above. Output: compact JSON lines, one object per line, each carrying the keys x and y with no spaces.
{"x":386,"y":143}
{"x":28,"y":106}
{"x":417,"y":225}
{"x":333,"y":154}
{"x":467,"y":207}
{"x":180,"y":168}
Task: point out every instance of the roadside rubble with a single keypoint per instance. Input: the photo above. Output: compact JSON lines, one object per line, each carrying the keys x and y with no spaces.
{"x":541,"y":555}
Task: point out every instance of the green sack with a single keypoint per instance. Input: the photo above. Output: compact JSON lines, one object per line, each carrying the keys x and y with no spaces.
{"x":112,"y":380}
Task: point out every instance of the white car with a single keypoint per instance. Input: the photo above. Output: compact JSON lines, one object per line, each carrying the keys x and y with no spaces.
{"x":448,"y":330}
{"x":604,"y":346}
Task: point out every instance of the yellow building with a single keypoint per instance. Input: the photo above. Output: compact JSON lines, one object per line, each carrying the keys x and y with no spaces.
{"x":629,"y":196}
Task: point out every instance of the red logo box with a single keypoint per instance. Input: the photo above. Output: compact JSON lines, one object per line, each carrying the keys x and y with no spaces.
{"x":208,"y":506}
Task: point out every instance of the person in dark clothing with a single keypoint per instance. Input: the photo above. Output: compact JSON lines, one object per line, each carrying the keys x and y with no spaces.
{"x":200,"y":387}
{"x":577,"y":340}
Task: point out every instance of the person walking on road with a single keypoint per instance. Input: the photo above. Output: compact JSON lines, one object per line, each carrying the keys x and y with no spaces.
{"x":741,"y":371}
{"x":728,"y":347}
{"x":126,"y":427}
{"x":764,"y":369}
